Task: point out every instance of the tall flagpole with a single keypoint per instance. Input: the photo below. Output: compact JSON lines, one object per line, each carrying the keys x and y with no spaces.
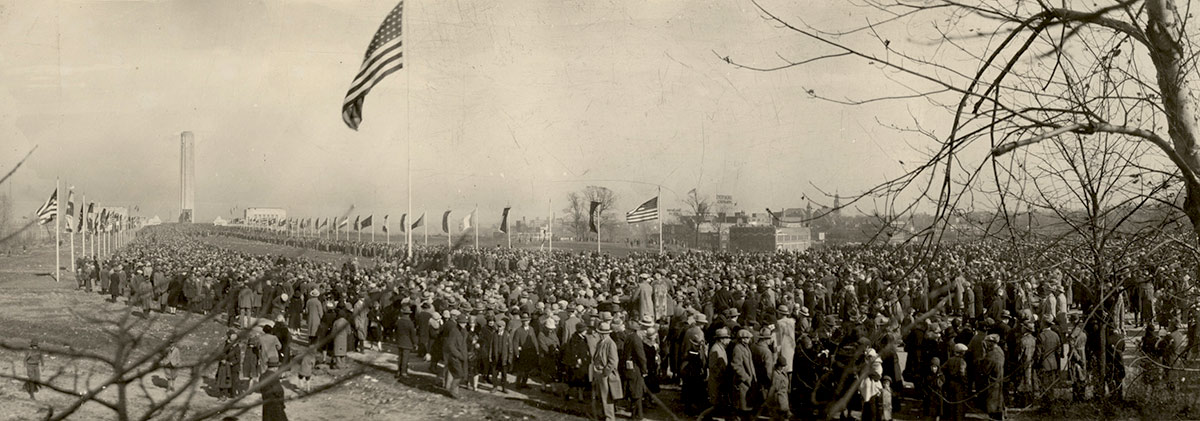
{"x":449,"y":245}
{"x":408,"y":134}
{"x":372,"y":231}
{"x":507,"y":231}
{"x":551,"y":226}
{"x":71,"y":234}
{"x":473,"y":213}
{"x":57,"y":222}
{"x":83,"y":226}
{"x":425,"y":228}
{"x":659,"y":211}
{"x":597,"y":233}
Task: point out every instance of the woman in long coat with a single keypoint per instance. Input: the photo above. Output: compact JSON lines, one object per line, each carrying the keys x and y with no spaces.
{"x":229,"y":367}
{"x":341,"y":338}
{"x":315,"y":311}
{"x":548,"y":349}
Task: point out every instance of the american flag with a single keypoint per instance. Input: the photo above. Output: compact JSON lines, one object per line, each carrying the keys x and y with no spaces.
{"x":646,"y":212}
{"x":384,"y":56}
{"x":49,"y":210}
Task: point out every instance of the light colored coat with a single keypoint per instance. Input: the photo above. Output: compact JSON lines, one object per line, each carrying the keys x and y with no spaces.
{"x":785,"y":341}
{"x":605,"y":379}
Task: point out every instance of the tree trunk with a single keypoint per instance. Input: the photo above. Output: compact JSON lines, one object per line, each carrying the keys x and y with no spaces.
{"x":1166,"y":35}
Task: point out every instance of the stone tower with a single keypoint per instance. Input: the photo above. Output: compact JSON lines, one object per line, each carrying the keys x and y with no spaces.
{"x":187,"y":177}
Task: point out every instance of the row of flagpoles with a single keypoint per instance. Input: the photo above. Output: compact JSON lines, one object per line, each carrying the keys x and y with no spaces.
{"x":107,"y":230}
{"x":333,"y":227}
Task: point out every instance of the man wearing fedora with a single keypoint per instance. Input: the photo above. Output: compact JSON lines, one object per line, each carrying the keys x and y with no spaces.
{"x":718,"y":366}
{"x":455,"y":348}
{"x":693,"y":365}
{"x":633,"y":365}
{"x":606,"y":383}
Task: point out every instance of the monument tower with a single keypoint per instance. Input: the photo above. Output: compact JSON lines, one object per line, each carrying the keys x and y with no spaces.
{"x":187,"y":177}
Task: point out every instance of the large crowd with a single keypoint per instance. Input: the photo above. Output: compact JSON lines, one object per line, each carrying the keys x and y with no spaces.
{"x":975,"y":327}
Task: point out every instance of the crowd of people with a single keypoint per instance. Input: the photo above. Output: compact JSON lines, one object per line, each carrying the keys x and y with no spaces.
{"x":975,"y":327}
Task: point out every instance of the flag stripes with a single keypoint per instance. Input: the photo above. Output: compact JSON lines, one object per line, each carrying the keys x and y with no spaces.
{"x":49,"y":210}
{"x":645,"y":212}
{"x":384,"y":56}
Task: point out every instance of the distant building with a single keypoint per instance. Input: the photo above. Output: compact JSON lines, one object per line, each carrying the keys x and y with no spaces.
{"x":264,"y":215}
{"x":766,"y":239}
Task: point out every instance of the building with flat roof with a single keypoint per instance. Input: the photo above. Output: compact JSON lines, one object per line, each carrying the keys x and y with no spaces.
{"x":264,"y":215}
{"x":767,"y":239}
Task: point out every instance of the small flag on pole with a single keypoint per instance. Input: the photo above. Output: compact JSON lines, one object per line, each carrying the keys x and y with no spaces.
{"x":342,"y":224}
{"x":420,"y":221}
{"x":504,"y":220}
{"x":403,"y":222}
{"x":47,"y":212}
{"x":384,"y":56}
{"x":592,"y":217}
{"x":466,"y":221}
{"x":645,"y":212}
{"x":82,"y":227}
{"x":446,"y":222}
{"x":385,"y":224}
{"x":366,"y":222}
{"x":70,"y":213}
{"x":356,"y":226}
{"x":91,"y":218}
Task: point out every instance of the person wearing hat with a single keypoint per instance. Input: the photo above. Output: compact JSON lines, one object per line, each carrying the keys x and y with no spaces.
{"x":742,"y":379}
{"x":718,"y":362}
{"x":548,"y":351}
{"x":406,"y":342}
{"x":634,"y":365}
{"x":576,"y":360}
{"x":525,"y":351}
{"x":315,"y":310}
{"x":991,"y":370}
{"x":606,"y":382}
{"x":957,"y":386}
{"x":456,"y":353}
{"x":33,"y":368}
{"x":764,"y":357}
{"x":693,"y":365}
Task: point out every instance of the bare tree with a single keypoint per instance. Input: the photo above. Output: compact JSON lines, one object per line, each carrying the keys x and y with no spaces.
{"x":1010,"y":74}
{"x":700,"y":207}
{"x":577,"y":212}
{"x":579,"y":204}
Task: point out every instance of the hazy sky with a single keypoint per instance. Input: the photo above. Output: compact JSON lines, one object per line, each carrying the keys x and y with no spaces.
{"x":503,"y":102}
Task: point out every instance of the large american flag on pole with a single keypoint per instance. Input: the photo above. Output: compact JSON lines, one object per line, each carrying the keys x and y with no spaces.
{"x":646,"y":212}
{"x":384,"y":56}
{"x":49,"y":210}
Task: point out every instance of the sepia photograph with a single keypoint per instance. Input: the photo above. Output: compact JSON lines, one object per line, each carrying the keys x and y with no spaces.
{"x":852,"y":210}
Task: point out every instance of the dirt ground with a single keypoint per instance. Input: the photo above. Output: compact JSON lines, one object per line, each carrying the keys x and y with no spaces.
{"x":33,"y":305}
